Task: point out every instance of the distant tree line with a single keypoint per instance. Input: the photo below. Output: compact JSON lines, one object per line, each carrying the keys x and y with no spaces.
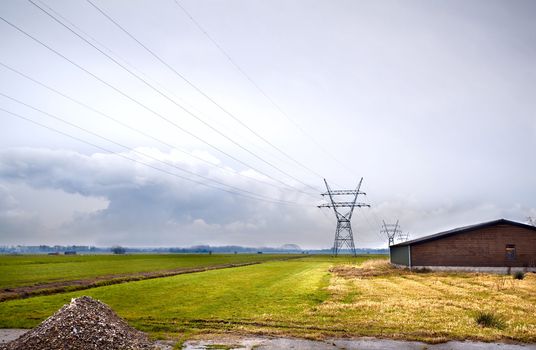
{"x":199,"y":249}
{"x":49,"y":249}
{"x":118,"y":250}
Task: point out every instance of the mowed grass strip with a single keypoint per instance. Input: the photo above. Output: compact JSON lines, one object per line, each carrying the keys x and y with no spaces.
{"x":275,"y":294}
{"x":27,"y":270}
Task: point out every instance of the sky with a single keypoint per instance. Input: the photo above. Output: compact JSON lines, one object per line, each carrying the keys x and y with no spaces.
{"x":215,"y":122}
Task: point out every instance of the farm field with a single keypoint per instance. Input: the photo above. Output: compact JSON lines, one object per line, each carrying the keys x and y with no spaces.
{"x":314,"y":297}
{"x":23,"y":270}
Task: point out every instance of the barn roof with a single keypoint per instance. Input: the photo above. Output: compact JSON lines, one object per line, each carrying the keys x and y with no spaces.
{"x":464,"y":229}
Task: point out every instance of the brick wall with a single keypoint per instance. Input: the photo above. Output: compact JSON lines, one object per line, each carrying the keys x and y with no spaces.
{"x":481,"y":247}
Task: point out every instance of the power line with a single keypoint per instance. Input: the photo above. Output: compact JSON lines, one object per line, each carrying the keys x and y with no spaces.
{"x":371,"y":227}
{"x":126,"y":62}
{"x":128,"y":148}
{"x":145,"y":164}
{"x":376,"y":218}
{"x":144,"y":81}
{"x":162,"y":94}
{"x":144,"y":106}
{"x":227,"y":169}
{"x":235,"y":118}
{"x":262,"y":92}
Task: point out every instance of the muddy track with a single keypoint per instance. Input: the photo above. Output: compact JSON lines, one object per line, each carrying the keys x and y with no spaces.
{"x":74,"y":285}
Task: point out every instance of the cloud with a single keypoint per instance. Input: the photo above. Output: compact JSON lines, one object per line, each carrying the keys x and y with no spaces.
{"x":7,"y":202}
{"x":146,"y":207}
{"x":16,"y":222}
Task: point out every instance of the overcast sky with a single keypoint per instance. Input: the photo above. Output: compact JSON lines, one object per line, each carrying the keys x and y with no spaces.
{"x":432,"y":102}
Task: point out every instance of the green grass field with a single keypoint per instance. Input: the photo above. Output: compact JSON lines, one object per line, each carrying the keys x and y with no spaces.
{"x":23,"y":270}
{"x":275,"y":293}
{"x":314,"y":297}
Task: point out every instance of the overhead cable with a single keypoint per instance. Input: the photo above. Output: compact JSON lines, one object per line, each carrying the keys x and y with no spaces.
{"x":257,"y":86}
{"x":141,"y":132}
{"x":128,"y":148}
{"x":200,"y":91}
{"x":145,"y":82}
{"x":144,"y":163}
{"x":145,"y":106}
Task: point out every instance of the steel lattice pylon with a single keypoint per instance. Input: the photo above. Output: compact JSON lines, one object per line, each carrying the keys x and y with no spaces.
{"x":343,"y":234}
{"x":391,"y":231}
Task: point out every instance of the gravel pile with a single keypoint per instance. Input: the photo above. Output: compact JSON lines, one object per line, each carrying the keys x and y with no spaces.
{"x":85,"y":323}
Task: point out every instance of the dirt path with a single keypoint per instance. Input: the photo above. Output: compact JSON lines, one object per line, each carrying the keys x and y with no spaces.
{"x":68,"y":286}
{"x":264,"y":343}
{"x":7,"y":335}
{"x":261,"y":343}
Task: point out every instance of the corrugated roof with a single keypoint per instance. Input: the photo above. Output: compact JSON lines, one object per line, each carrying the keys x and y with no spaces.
{"x":464,"y":229}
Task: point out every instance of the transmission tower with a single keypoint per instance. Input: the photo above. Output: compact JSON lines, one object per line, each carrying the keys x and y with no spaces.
{"x":531,"y":221}
{"x":392,"y":231}
{"x":402,"y":237}
{"x":343,"y":233}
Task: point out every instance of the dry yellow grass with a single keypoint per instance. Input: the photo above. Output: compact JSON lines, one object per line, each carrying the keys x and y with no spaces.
{"x":375,"y":299}
{"x":369,"y":268}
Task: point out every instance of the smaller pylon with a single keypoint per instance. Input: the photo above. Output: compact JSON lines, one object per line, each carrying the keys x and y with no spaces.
{"x":391,"y":231}
{"x":531,"y":220}
{"x":402,"y":237}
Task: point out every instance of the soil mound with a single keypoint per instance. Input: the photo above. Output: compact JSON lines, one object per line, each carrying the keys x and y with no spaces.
{"x":84,"y":323}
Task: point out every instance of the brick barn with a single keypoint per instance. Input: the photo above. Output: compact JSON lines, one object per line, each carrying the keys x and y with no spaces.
{"x":495,"y":246}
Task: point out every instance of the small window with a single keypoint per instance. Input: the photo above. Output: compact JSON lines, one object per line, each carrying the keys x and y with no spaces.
{"x":510,"y":251}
